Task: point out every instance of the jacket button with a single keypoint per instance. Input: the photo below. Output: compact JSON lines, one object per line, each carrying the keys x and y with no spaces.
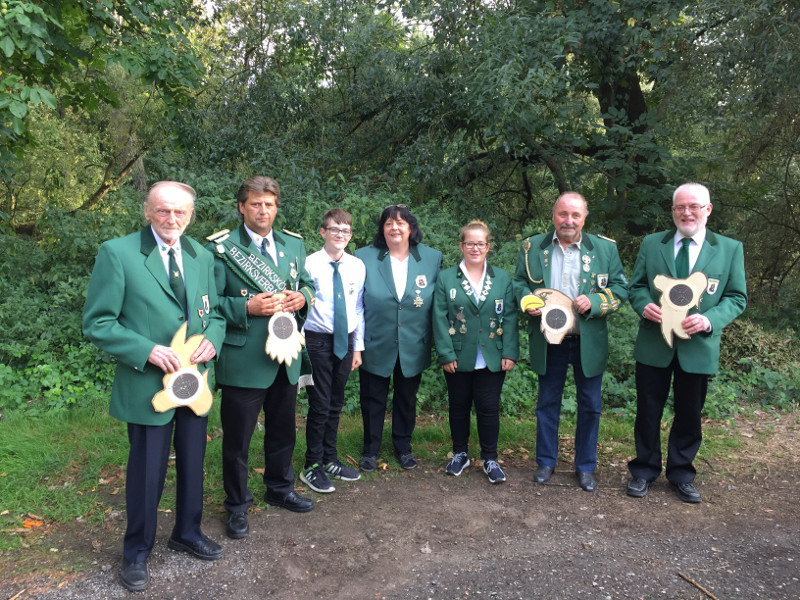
{"x":180,"y":318}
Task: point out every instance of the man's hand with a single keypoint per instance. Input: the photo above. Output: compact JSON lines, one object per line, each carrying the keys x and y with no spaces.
{"x":165,"y":358}
{"x":263,"y":305}
{"x":652,"y":312}
{"x":696,"y":323}
{"x":582,"y":303}
{"x":204,"y":353}
{"x":357,"y":362}
{"x":293,"y":301}
{"x":450,"y":367}
{"x":534,"y":312}
{"x":507,"y":364}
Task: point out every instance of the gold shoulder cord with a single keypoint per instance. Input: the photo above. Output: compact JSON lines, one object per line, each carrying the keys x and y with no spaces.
{"x":526,"y":245}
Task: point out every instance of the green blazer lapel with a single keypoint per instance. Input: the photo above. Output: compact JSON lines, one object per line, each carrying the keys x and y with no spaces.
{"x":153,"y":261}
{"x":244,"y":239}
{"x":190,"y":272}
{"x":587,"y":278}
{"x":466,"y":288}
{"x":413,"y":270}
{"x":668,"y":252}
{"x":707,"y":252}
{"x":545,"y":257}
{"x":385,"y":269}
{"x":490,"y":293}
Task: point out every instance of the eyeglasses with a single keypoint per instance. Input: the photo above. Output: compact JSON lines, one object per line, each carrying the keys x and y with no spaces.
{"x":478,"y":245}
{"x":337,"y":231}
{"x":400,"y":206}
{"x":695,"y":208}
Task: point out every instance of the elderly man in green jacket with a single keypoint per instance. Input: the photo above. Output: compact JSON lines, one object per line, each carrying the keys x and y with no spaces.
{"x":587,"y":269}
{"x":687,"y":363}
{"x":143,"y":288}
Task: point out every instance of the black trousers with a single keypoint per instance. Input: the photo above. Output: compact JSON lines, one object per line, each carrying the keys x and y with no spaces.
{"x":325,"y":397}
{"x":685,"y":435}
{"x":373,"y":395}
{"x":239,"y":414}
{"x":147,"y":468}
{"x":480,"y":388}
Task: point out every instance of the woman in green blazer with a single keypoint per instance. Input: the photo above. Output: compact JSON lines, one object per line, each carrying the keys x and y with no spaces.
{"x":398,"y":298}
{"x":475,"y":329}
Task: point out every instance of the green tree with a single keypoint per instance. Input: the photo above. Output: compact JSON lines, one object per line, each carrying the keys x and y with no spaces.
{"x":63,"y":55}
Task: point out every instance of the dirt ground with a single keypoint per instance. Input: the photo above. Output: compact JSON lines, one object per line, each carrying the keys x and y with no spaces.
{"x":425,"y":535}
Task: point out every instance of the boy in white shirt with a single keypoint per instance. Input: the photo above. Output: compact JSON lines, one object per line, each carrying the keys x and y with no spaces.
{"x":334,"y":332}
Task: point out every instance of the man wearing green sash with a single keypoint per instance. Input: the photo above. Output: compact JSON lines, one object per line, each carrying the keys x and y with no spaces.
{"x":259,"y":273}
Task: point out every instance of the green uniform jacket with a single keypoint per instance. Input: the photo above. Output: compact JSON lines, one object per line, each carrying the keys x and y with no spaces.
{"x":496,"y":313}
{"x":130,"y":308}
{"x":604,"y":284}
{"x":398,"y":326}
{"x":244,"y":361}
{"x":722,"y":260}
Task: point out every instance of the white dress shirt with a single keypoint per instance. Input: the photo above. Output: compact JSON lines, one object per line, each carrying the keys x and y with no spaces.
{"x":480,"y":362}
{"x":270,"y":243}
{"x":163,"y":249}
{"x":353,"y":273}
{"x":694,"y":247}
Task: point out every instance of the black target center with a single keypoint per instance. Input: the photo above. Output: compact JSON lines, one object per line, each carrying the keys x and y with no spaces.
{"x":681,"y":295}
{"x":556,"y":319}
{"x":282,"y":327}
{"x":184,"y":386}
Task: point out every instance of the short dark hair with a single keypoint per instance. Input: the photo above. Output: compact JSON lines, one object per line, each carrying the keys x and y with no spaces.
{"x":259,"y":184}
{"x":397,"y":211}
{"x":336,"y":215}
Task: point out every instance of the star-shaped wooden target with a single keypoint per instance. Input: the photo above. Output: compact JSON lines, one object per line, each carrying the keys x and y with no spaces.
{"x":558,"y":316}
{"x":284,"y":341}
{"x":186,"y":386}
{"x":678,"y":296}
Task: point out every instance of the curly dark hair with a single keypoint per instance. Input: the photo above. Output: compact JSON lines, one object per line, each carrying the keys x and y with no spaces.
{"x":397,"y":211}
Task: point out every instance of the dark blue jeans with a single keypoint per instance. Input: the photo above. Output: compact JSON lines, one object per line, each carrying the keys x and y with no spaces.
{"x":548,"y":407}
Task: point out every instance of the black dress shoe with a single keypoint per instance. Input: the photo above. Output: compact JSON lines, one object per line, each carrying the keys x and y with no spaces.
{"x":236,"y":527}
{"x":290,"y":501}
{"x":586,"y":481}
{"x":637,"y":487}
{"x":134,"y":576}
{"x":205,"y":548}
{"x":686,"y":492}
{"x":543,"y":474}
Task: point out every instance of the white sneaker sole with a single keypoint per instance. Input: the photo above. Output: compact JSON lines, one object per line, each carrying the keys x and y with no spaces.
{"x":466,"y":464}
{"x":315,"y":488}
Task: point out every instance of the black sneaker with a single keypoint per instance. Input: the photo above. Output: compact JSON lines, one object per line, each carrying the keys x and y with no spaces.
{"x":457,"y":464}
{"x":493,"y":471}
{"x":315,"y":478}
{"x":337,"y":470}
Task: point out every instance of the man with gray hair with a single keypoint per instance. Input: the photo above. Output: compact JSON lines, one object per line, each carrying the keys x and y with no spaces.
{"x":586,"y":268}
{"x":143,"y":289}
{"x":694,"y":353}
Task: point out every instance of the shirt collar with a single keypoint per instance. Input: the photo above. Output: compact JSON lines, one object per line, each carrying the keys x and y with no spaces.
{"x":698,"y":237}
{"x":258,"y":238}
